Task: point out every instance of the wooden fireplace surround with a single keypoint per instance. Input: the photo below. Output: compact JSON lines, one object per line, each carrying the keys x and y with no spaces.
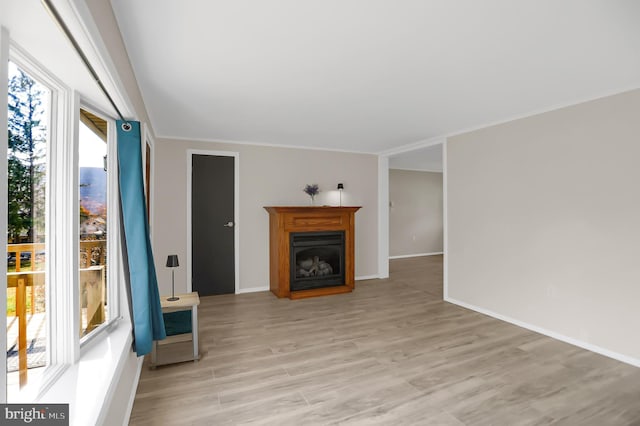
{"x":284,"y":220}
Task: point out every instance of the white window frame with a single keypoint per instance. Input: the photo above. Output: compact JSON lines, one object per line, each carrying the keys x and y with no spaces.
{"x":64,"y":346}
{"x":59,"y":348}
{"x":4,"y":76}
{"x":113,"y":225}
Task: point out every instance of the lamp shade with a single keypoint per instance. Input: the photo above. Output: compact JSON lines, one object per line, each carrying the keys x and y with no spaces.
{"x":172,"y":261}
{"x":340,"y":186}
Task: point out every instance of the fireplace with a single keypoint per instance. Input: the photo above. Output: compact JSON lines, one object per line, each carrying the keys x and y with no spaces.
{"x":311,"y":250}
{"x":317,"y":259}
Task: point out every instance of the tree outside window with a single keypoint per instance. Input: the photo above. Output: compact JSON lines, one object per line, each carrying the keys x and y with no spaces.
{"x":28,"y":105}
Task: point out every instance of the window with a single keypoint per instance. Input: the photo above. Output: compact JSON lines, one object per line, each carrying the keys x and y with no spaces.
{"x":62,"y":203}
{"x":92,"y":162}
{"x":29,"y":104}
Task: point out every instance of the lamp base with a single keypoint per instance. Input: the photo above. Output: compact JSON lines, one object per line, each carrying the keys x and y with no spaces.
{"x":173,"y":299}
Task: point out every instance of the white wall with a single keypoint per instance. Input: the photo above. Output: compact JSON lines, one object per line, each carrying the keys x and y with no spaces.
{"x":106,"y":24}
{"x":415,"y":213}
{"x":544,"y":222}
{"x":118,"y":411}
{"x":269,"y":176}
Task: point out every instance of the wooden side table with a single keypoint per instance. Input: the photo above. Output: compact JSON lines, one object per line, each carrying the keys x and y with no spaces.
{"x":188,"y":301}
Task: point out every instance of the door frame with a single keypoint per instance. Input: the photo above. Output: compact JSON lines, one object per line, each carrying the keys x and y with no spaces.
{"x":383,"y":209}
{"x":236,"y":211}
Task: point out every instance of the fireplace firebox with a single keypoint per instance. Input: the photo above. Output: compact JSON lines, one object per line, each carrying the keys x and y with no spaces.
{"x":317,"y":259}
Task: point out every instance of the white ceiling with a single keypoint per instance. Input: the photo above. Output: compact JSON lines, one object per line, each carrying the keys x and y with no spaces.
{"x":370,"y":75}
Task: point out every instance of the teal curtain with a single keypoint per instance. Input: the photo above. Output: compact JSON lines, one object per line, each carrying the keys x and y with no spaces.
{"x":144,"y":299}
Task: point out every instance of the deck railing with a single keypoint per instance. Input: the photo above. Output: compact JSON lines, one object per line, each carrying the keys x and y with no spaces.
{"x":20,"y":280}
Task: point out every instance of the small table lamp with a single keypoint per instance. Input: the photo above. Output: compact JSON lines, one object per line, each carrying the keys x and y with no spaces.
{"x":172,"y":262}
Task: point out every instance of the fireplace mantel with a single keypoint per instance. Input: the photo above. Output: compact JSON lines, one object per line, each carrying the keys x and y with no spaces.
{"x":283,"y":220}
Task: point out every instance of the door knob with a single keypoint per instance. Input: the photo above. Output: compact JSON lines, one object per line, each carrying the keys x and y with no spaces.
{"x":228,"y":224}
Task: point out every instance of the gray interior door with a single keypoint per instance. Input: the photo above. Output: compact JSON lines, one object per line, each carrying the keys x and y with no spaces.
{"x":212,"y":226}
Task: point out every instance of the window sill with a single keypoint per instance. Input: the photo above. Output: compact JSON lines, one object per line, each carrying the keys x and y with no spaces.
{"x":87,"y":385}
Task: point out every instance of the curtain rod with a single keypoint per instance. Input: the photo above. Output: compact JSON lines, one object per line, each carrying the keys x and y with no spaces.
{"x":56,"y":17}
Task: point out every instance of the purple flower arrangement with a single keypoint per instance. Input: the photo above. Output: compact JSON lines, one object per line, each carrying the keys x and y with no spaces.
{"x":311,"y":190}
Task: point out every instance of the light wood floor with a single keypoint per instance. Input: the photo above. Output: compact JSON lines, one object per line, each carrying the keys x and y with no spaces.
{"x":391,"y":353}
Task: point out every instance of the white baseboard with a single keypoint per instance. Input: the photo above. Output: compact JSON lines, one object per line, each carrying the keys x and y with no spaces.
{"x":404,"y":256}
{"x":366,"y":277}
{"x":575,"y":342}
{"x":252,"y":290}
{"x":134,"y":390}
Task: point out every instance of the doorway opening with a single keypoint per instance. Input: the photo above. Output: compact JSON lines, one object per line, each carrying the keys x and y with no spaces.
{"x":415,"y":209}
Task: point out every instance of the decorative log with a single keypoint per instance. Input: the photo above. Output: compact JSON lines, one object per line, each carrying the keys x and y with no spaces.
{"x":314,"y":268}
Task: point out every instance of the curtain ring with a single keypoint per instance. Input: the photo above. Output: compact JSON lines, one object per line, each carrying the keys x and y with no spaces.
{"x":126,"y":127}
